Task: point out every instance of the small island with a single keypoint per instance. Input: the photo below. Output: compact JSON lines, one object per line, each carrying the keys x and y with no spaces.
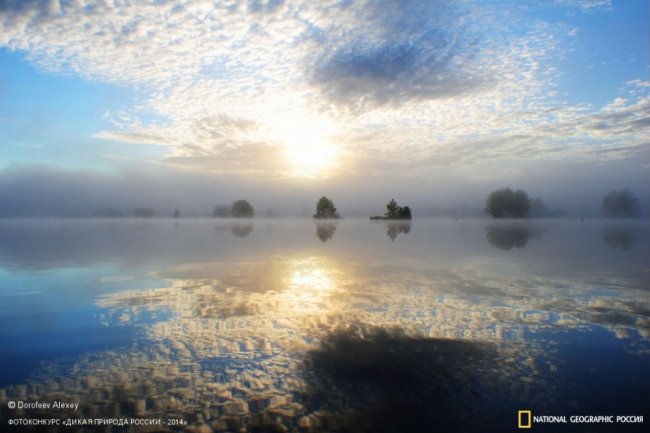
{"x":239,"y":209}
{"x":394,"y":212}
{"x":325,"y":209}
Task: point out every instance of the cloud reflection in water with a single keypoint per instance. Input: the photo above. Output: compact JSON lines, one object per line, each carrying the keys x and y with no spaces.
{"x":231,"y":340}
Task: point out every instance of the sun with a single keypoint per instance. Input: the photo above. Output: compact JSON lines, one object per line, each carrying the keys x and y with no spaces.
{"x":308,"y":148}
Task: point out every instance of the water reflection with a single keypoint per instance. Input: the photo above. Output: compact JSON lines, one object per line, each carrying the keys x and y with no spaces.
{"x":286,"y":339}
{"x":509,"y":236}
{"x":622,"y":236}
{"x":394,"y":228}
{"x":325,"y":231}
{"x":290,"y":287}
{"x":226,"y":357}
{"x":242,"y":230}
{"x":454,"y":303}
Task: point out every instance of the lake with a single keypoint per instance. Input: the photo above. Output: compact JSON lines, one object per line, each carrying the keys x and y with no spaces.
{"x":347,"y":326}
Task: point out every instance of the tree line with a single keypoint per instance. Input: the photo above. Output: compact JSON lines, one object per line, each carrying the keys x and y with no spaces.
{"x":506,"y":203}
{"x":500,"y":203}
{"x":325,"y":209}
{"x":239,"y":209}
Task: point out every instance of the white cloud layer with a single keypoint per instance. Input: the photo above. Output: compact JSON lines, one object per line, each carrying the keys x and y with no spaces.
{"x":367,"y":86}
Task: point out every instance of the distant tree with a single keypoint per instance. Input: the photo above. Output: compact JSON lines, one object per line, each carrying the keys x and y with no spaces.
{"x":143,"y":212}
{"x":391,"y":209}
{"x":221,"y":211}
{"x":538,"y":208}
{"x":621,"y":204}
{"x":396,"y":212}
{"x":506,"y":203}
{"x":108,"y":213}
{"x":242,"y":209}
{"x":405,"y":213}
{"x":177,"y":213}
{"x":325,"y":209}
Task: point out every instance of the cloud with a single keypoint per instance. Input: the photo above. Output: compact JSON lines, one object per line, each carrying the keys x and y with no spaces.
{"x":621,"y":117}
{"x":391,"y":52}
{"x":258,"y":159}
{"x":425,"y":83}
{"x":586,"y":5}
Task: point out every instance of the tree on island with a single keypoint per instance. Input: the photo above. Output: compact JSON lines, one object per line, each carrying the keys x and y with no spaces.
{"x":404,"y":213}
{"x":144,"y":212}
{"x":506,"y":203}
{"x":621,"y":204}
{"x":242,"y":209}
{"x":394,"y":212}
{"x":325,"y":209}
{"x":221,"y":211}
{"x":538,"y":208}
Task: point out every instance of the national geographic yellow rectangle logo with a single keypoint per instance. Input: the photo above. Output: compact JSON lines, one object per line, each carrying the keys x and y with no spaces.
{"x":524,"y":419}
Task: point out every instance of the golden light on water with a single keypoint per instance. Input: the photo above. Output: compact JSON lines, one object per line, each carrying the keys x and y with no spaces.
{"x":314,"y":280}
{"x":309,"y":286}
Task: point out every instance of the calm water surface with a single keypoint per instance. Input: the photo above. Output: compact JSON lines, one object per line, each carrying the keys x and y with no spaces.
{"x":350,"y":326}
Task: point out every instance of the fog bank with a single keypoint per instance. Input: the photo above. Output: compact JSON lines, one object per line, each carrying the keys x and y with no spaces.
{"x":47,"y":191}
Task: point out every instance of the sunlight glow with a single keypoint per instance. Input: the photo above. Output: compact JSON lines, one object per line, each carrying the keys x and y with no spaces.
{"x":307,"y":147}
{"x":313,"y":280}
{"x":309,"y":286}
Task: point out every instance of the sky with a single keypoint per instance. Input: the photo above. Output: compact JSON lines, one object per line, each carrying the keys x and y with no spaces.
{"x":436,"y":103}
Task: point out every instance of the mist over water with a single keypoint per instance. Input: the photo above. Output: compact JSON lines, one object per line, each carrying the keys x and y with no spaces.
{"x":351,"y":325}
{"x":43,"y":191}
